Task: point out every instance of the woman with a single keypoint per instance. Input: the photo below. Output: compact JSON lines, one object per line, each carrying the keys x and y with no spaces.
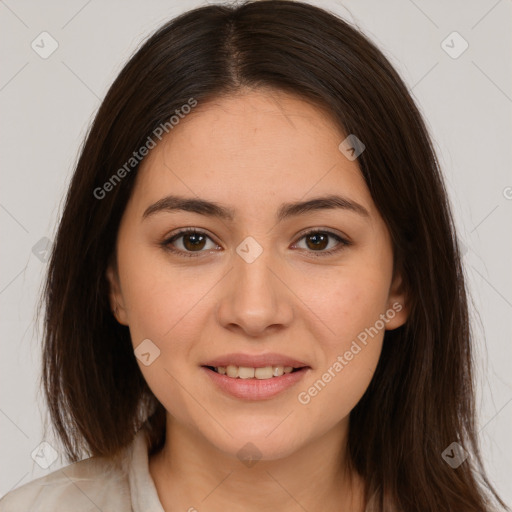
{"x":255,"y":299}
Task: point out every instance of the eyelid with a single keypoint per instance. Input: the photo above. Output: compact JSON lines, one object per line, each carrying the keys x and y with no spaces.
{"x":321,"y":229}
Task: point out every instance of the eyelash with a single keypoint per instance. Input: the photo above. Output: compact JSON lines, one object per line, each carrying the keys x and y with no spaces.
{"x":167,"y":244}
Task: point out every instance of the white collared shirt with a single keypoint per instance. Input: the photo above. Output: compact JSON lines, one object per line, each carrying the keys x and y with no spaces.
{"x":91,"y":485}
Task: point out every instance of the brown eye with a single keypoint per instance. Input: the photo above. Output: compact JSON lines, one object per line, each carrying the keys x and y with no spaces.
{"x":187,"y":242}
{"x":317,"y":242}
{"x":194,"y":241}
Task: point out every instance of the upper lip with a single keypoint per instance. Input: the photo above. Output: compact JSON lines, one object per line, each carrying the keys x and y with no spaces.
{"x":254,"y":361}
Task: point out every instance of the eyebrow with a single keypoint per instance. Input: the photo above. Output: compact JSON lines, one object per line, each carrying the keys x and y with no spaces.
{"x":173,"y":203}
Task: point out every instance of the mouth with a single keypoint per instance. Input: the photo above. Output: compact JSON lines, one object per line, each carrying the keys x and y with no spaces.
{"x":260,"y":373}
{"x":254,"y":383}
{"x":254,"y":376}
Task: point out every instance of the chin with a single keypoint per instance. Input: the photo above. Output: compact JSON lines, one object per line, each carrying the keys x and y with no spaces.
{"x":264,"y":443}
{"x":248,"y":452}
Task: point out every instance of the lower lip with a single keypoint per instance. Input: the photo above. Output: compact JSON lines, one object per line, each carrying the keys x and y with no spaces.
{"x":255,"y":389}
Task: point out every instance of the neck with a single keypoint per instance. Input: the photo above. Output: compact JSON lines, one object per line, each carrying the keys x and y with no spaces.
{"x":190,"y":473}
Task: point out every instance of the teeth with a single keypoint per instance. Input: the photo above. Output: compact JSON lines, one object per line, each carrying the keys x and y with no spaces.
{"x":264,"y":373}
{"x":277,"y":371}
{"x":232,"y":371}
{"x":244,"y":372}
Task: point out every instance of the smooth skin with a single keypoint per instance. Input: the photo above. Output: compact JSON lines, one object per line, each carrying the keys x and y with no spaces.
{"x":251,"y":153}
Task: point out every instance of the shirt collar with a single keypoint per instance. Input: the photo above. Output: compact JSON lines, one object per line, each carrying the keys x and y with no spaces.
{"x":143,"y":492}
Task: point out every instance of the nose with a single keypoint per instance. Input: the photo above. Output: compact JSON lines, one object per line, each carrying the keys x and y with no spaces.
{"x":255,"y":298}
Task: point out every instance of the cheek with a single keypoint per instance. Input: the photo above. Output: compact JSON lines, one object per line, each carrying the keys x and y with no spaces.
{"x":348,"y":358}
{"x":164,"y":307}
{"x":338,"y":387}
{"x":348,"y":307}
{"x":344,"y":302}
{"x":162,"y":301}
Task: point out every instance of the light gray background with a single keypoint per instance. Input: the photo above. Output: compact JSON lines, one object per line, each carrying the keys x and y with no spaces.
{"x":47,"y":105}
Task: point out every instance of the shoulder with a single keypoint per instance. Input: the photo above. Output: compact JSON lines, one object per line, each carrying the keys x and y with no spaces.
{"x":89,"y":485}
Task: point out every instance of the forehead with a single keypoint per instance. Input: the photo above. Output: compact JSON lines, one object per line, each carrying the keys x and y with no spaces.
{"x":256,"y":145}
{"x":261,"y":122}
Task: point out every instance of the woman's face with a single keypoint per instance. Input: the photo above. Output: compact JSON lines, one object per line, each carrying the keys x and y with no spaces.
{"x":252,"y":287}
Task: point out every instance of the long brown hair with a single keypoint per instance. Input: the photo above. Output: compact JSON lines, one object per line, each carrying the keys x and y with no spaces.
{"x":421,"y":397}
